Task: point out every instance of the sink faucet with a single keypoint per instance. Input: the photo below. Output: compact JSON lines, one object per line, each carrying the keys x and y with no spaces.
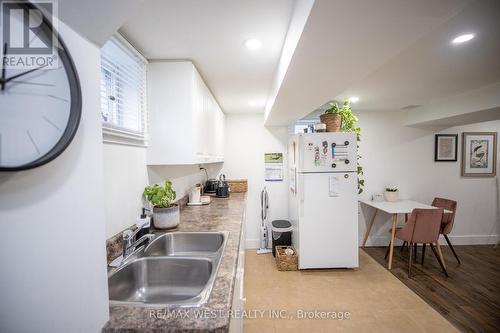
{"x":129,"y":244}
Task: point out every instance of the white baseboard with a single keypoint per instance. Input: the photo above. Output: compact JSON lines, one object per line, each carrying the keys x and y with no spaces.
{"x":471,"y":240}
{"x":252,"y":243}
{"x":454,"y":239}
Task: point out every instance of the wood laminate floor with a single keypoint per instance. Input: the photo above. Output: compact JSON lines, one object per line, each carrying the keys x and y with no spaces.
{"x":469,"y":298}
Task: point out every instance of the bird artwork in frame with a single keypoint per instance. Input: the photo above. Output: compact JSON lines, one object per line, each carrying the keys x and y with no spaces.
{"x":479,"y":154}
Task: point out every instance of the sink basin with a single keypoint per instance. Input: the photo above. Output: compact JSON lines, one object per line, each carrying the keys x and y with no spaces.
{"x":161,"y":281}
{"x":175,"y":269}
{"x":186,"y":244}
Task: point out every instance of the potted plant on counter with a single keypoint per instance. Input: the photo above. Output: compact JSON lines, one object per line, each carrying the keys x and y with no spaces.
{"x":391,"y":194}
{"x":165,"y":212}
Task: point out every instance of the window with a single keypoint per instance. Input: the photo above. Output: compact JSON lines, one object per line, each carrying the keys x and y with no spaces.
{"x":300,"y":125}
{"x":123,"y":93}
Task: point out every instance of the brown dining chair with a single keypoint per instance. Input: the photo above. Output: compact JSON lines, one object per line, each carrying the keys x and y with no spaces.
{"x":423,"y":226}
{"x":447,"y":221}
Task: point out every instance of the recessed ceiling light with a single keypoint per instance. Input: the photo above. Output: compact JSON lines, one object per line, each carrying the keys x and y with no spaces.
{"x":462,"y":38}
{"x":354,"y":99}
{"x":253,"y":44}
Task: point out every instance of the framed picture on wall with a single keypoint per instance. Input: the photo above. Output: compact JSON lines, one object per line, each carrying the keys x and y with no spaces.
{"x":446,"y":147}
{"x":479,"y":154}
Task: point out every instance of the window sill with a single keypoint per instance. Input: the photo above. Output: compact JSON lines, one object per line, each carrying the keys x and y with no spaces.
{"x":119,"y":137}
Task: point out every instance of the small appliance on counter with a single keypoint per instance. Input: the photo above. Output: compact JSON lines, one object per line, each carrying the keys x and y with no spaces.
{"x":195,"y":194}
{"x":211,"y":186}
{"x":195,"y":197}
{"x":222,"y":187}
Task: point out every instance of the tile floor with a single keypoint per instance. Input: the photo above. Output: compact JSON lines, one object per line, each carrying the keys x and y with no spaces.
{"x":375,"y":299}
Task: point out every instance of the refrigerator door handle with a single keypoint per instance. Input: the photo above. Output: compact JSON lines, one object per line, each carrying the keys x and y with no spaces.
{"x":300,"y":188}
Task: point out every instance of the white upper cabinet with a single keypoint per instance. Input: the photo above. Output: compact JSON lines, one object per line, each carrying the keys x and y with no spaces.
{"x":186,"y":124}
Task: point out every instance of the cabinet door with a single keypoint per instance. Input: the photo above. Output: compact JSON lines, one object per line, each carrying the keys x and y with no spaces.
{"x":211,"y":124}
{"x":170,"y":104}
{"x":199,"y":118}
{"x":219,"y":133}
{"x":197,"y":115}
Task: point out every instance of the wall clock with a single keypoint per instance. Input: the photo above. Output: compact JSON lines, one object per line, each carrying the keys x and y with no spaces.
{"x":40,"y":108}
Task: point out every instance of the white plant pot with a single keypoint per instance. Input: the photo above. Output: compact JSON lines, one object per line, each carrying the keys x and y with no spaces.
{"x":391,"y":196}
{"x":166,"y":218}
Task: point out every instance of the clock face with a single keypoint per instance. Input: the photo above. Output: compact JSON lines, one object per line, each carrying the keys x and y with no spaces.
{"x":39,"y":110}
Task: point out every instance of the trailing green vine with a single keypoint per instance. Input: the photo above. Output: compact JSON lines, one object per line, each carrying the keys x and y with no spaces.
{"x":349,"y":121}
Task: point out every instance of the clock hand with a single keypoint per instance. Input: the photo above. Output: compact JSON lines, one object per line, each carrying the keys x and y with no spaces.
{"x":33,"y":83}
{"x":21,"y":74}
{"x":2,"y":81}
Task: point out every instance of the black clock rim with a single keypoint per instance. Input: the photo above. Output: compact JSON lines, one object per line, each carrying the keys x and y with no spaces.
{"x":76,"y":103}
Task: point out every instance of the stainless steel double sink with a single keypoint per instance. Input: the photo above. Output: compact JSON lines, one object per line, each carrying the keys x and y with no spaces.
{"x":175,"y":269}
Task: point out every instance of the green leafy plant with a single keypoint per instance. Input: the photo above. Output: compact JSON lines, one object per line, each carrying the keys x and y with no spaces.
{"x":391,"y":189}
{"x":160,"y":196}
{"x":349,"y":121}
{"x":334,"y":107}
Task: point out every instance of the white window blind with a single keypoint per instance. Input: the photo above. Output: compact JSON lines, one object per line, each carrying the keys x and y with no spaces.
{"x":123,"y":91}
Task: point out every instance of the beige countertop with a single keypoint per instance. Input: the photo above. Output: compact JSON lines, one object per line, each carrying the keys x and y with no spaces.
{"x":220,"y":215}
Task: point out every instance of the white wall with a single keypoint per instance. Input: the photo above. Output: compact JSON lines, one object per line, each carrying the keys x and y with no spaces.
{"x":396,"y":155}
{"x":125,"y":176}
{"x":246,"y":141}
{"x":53,"y":258}
{"x":183,"y":176}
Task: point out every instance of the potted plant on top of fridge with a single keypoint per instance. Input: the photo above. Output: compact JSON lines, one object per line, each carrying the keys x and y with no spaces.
{"x":343,"y":119}
{"x":332,"y":118}
{"x":165,"y":212}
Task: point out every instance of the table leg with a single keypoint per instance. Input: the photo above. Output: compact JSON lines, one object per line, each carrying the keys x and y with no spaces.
{"x":393,"y":233}
{"x":438,"y":249}
{"x":372,"y":219}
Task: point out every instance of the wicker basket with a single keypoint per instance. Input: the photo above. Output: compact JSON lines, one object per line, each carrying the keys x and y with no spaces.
{"x":284,"y":262}
{"x":238,"y":185}
{"x":333,"y":121}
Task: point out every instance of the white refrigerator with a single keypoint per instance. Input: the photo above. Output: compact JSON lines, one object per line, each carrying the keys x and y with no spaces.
{"x":323,"y":199}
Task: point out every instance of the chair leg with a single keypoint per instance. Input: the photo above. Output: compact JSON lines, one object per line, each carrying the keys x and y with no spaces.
{"x":451,"y":247}
{"x":423,"y":253}
{"x":439,"y":260}
{"x":415,"y":252}
{"x":409,"y":261}
{"x":403,"y":247}
{"x":387,"y":252}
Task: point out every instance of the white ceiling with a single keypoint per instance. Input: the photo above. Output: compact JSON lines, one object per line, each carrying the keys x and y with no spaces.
{"x":433,"y":67}
{"x":211,"y":34}
{"x":96,"y":20}
{"x":390,"y":53}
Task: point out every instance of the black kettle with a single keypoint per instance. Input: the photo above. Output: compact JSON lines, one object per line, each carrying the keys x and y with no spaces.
{"x":222,"y":187}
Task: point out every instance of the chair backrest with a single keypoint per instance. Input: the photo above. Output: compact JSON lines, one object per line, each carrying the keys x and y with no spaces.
{"x":448,"y":218}
{"x":423,"y":226}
